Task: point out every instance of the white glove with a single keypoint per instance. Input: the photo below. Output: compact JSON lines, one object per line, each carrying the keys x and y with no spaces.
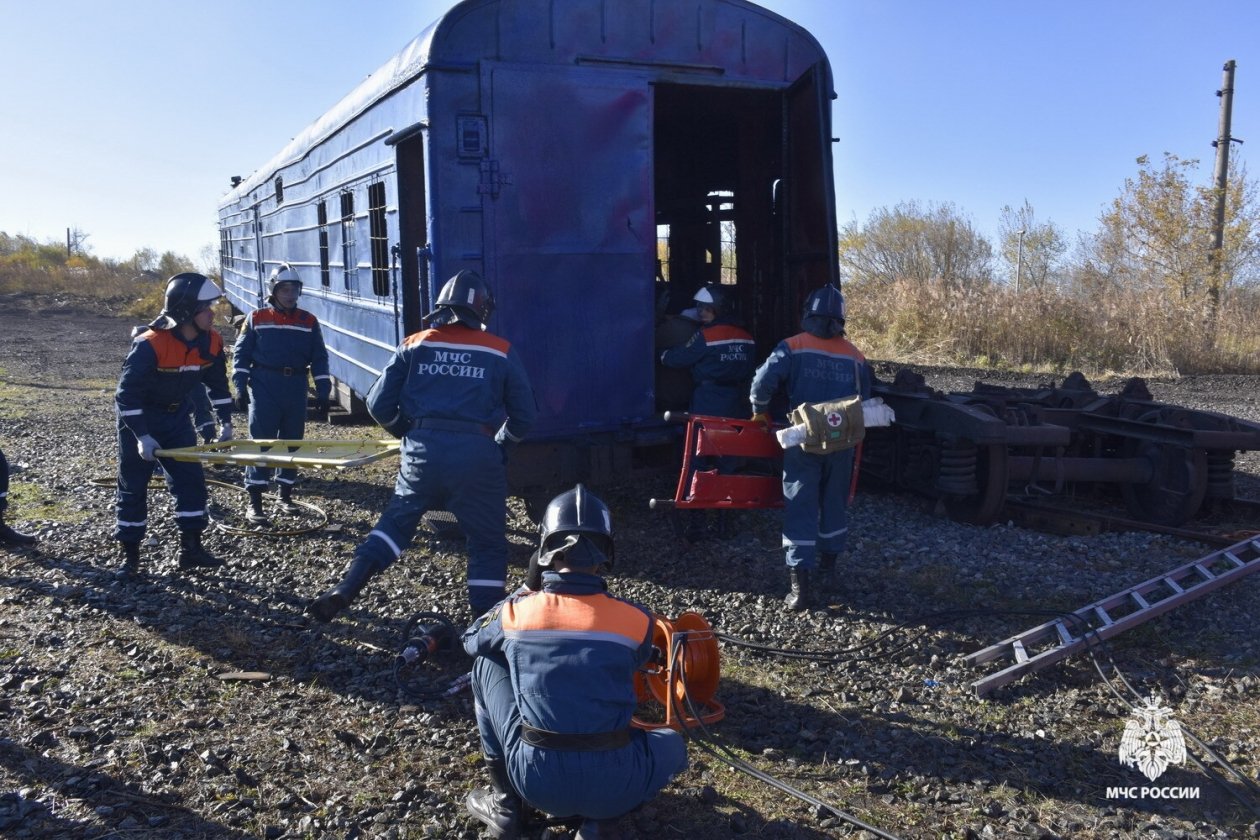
{"x":147,"y":444}
{"x":225,"y":433}
{"x":876,"y":413}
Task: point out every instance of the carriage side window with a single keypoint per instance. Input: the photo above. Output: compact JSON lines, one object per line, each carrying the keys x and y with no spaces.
{"x":321,"y":210}
{"x":348,"y":259}
{"x":225,"y":248}
{"x":279,"y":189}
{"x":378,"y":237}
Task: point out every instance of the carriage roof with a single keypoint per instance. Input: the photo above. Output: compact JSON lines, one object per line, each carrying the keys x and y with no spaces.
{"x":734,"y":39}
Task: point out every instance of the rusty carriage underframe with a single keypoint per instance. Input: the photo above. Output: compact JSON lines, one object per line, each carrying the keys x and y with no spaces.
{"x":972,"y":450}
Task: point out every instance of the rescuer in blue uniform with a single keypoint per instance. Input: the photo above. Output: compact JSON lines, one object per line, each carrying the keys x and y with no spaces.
{"x":720,"y":359}
{"x":553,"y":681}
{"x":277,"y":346}
{"x":180,"y":352}
{"x":445,"y":393}
{"x":9,"y":536}
{"x":816,"y":365}
{"x":719,"y":356}
{"x":203,"y":412}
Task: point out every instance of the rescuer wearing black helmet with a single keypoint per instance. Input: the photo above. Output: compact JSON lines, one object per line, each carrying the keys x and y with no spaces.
{"x":816,"y":365}
{"x":9,"y":536}
{"x":553,"y":680}
{"x":446,"y":393}
{"x":181,"y":351}
{"x":278,"y":346}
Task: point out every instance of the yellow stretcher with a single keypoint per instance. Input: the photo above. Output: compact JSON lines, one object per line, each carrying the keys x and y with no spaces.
{"x":309,"y":454}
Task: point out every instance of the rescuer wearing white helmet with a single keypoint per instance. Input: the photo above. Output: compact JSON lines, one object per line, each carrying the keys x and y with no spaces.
{"x":179,"y":352}
{"x":278,"y":346}
{"x":720,"y":359}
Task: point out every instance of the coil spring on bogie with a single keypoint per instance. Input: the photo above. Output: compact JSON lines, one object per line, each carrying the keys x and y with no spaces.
{"x":957,"y":473}
{"x":1220,"y":473}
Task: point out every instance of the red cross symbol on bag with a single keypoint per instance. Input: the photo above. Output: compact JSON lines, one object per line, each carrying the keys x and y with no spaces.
{"x":834,"y":419}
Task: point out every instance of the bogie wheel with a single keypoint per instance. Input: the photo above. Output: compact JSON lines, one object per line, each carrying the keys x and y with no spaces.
{"x":1178,"y":483}
{"x":983,"y":506}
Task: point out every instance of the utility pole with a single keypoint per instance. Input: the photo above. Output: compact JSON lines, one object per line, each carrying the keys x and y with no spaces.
{"x":1221,"y":183}
{"x":1019,"y":259}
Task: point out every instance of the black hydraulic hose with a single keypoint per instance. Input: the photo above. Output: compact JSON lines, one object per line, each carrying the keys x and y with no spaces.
{"x":723,"y":753}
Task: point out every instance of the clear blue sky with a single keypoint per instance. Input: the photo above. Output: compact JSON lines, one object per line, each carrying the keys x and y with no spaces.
{"x":126,"y":119}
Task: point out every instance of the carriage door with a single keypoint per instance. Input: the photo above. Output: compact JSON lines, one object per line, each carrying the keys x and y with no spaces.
{"x":413,"y":232}
{"x":569,"y":241}
{"x":808,"y":202}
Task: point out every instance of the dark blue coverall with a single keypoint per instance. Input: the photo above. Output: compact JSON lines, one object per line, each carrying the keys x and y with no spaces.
{"x":4,"y":484}
{"x":272,"y":355}
{"x":203,"y":414}
{"x":563,"y":659}
{"x":815,"y":487}
{"x":721,"y":360}
{"x":155,"y":397}
{"x":445,"y":393}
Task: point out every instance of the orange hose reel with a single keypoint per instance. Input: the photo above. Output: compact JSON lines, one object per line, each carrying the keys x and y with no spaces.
{"x":690,"y":671}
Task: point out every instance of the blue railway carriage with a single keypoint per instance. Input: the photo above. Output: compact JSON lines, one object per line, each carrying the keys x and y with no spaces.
{"x":596,"y":160}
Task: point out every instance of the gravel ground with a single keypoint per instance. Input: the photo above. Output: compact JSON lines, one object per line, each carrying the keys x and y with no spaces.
{"x":119,"y":716}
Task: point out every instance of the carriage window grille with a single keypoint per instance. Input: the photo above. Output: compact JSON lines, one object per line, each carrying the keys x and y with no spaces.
{"x":279,"y":189}
{"x":322,"y":210}
{"x":225,"y":248}
{"x":378,"y":236}
{"x":348,"y":259}
{"x":722,"y":207}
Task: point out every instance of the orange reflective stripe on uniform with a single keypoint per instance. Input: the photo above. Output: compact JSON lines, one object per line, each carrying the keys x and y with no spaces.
{"x":174,"y":356}
{"x":596,"y":617}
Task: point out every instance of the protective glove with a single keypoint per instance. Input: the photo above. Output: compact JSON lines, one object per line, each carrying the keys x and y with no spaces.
{"x":207,"y":432}
{"x":506,"y":444}
{"x":763,"y":418}
{"x":225,"y":433}
{"x":147,"y":444}
{"x":241,"y":401}
{"x":321,"y":407}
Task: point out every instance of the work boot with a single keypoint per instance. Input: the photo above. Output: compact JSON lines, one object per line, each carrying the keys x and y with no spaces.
{"x":598,"y":830}
{"x":130,"y":559}
{"x":498,"y":806}
{"x":192,"y":555}
{"x":257,"y":516}
{"x":8,"y":536}
{"x":356,"y":576}
{"x":286,"y":500}
{"x":800,"y":596}
{"x":826,"y":573}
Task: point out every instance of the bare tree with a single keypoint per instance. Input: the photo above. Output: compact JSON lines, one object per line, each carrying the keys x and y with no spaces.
{"x":925,"y":245}
{"x":1158,"y":233}
{"x":1034,"y":261}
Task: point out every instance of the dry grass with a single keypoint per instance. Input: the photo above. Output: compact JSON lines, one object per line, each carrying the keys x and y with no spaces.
{"x":1048,"y":330}
{"x":1126,"y":332}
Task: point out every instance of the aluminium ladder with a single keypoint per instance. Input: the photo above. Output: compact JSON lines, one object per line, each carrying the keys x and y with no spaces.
{"x":1048,"y":643}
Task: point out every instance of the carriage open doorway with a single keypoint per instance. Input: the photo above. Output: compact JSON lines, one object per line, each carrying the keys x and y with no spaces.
{"x":743,"y":197}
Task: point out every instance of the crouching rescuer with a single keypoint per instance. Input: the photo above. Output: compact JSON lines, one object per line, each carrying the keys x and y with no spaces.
{"x":446,"y":392}
{"x":553,"y":680}
{"x":179,"y":353}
